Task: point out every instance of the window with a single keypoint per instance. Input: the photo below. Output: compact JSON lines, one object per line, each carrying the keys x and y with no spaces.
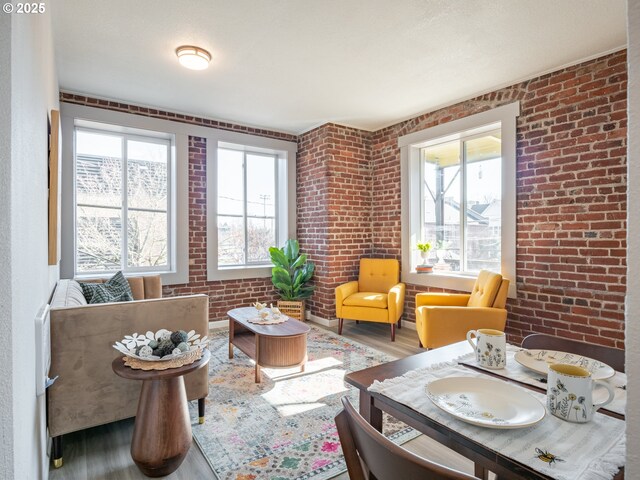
{"x":250,"y":203}
{"x":246,"y":207}
{"x":458,"y":193}
{"x":462,"y":202}
{"x":122,"y":202}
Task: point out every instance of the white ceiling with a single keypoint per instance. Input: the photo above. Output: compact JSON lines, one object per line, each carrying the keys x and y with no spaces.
{"x":291,"y":65}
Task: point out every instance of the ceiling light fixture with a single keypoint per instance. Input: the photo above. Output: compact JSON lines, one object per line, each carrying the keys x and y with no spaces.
{"x":194,"y":58}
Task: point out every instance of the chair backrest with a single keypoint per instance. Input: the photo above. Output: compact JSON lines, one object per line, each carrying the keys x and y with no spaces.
{"x":501,"y":296}
{"x":485,"y":289}
{"x":613,"y":357}
{"x":378,"y":274}
{"x":383,"y":458}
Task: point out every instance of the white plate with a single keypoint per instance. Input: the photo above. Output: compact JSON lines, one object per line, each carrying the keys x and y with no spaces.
{"x":486,"y":402}
{"x":539,"y":361}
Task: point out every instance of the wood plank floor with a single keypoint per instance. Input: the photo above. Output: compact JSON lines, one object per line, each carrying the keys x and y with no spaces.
{"x":102,"y":453}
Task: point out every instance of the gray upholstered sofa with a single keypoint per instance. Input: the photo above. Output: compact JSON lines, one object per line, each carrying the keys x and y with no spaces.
{"x":87,"y":393}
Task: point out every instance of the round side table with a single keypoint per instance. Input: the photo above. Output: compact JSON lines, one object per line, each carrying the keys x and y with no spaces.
{"x":162,"y":430}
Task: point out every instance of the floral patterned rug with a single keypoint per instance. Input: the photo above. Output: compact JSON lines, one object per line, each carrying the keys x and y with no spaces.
{"x":282,"y":428}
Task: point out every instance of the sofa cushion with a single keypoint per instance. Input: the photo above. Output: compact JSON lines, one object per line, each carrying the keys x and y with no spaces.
{"x":68,"y":293}
{"x":116,"y":289}
{"x":367,"y":299}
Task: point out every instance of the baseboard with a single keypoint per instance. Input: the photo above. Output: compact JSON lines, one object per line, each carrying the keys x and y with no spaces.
{"x":325,"y":322}
{"x":219,"y":324}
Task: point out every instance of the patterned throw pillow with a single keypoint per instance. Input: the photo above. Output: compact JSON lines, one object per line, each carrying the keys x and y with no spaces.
{"x":116,"y":289}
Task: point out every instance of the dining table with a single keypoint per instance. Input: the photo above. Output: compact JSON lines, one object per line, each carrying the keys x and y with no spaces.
{"x":372,"y":404}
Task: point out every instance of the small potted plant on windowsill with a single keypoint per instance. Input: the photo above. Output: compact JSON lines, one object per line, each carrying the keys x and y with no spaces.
{"x":290,"y":275}
{"x":424,"y":248}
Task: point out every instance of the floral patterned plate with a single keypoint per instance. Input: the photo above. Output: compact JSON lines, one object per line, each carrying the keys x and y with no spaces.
{"x":486,"y":402}
{"x":539,"y":361}
{"x":129,"y":343}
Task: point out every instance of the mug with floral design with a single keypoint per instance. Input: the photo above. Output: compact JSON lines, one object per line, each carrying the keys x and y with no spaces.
{"x":570,"y":393}
{"x":490,"y":347}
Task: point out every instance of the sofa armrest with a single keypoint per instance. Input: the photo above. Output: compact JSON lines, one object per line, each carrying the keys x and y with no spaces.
{"x":442,"y":299}
{"x":87,"y":392}
{"x":342,"y":292}
{"x":395,"y":302}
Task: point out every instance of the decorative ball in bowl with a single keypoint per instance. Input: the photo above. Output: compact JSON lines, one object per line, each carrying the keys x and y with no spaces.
{"x":160,"y":346}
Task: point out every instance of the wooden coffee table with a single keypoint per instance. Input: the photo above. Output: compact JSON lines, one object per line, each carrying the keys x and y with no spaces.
{"x":282,"y":345}
{"x":162,"y":430}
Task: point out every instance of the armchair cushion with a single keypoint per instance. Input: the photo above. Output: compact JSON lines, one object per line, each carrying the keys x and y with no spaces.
{"x":485,"y":289}
{"x":367,"y":299}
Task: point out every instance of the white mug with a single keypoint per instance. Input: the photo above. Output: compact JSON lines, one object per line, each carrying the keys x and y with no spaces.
{"x":570,"y":393}
{"x":490,"y":347}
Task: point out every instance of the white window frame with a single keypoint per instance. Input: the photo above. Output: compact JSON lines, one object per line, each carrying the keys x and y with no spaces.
{"x":137,"y":135}
{"x":503,"y":117}
{"x":178,"y":212}
{"x":285,"y":153}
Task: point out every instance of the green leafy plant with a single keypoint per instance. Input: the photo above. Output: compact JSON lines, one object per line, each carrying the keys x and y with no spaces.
{"x":424,"y":247}
{"x":291,"y":271}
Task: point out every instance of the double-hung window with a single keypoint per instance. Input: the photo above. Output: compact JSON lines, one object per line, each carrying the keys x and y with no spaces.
{"x":122,"y":201}
{"x":247,"y":206}
{"x":462,"y":202}
{"x":251,"y":205}
{"x":458,"y":194}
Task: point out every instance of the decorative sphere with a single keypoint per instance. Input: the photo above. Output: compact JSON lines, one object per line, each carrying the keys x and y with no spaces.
{"x":145,"y":351}
{"x":153,"y":344}
{"x":176,"y":351}
{"x":165,"y":336}
{"x":178,"y":337}
{"x":183,"y":346}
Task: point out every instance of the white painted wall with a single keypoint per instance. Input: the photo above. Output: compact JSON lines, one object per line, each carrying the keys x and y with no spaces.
{"x":28,"y":91}
{"x":632,"y":308}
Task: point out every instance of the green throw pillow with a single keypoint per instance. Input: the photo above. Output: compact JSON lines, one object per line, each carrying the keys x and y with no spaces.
{"x":116,"y":289}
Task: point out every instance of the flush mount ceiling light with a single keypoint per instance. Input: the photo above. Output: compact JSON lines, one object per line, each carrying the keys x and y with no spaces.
{"x":194,"y":58}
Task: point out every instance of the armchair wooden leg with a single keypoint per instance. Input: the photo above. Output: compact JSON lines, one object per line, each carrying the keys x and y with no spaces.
{"x":201,"y":410}
{"x":393,"y":332}
{"x":340,"y":320}
{"x":357,"y":322}
{"x":399,"y":323}
{"x":420,"y":343}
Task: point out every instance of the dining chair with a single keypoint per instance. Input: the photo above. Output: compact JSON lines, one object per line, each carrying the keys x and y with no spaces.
{"x":381,"y":457}
{"x":613,"y":357}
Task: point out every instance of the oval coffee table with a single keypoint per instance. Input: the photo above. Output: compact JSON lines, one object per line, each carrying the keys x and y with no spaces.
{"x":162,"y":430}
{"x":281,"y":345}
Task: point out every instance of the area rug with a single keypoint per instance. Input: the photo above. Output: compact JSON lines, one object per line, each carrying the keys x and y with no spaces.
{"x":282,"y":428}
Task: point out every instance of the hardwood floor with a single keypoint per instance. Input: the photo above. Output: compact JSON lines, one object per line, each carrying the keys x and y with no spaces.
{"x":102,"y":453}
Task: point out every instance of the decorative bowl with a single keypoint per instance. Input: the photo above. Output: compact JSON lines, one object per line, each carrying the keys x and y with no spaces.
{"x":128,"y":344}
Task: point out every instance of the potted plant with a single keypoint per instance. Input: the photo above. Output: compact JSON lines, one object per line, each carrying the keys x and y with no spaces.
{"x":290,"y":275}
{"x":424,"y":248}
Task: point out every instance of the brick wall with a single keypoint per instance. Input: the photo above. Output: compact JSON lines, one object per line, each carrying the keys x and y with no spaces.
{"x":334,"y":207}
{"x":571,"y":202}
{"x":223,"y":295}
{"x":571,"y":199}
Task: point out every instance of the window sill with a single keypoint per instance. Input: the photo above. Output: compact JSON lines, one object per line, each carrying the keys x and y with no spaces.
{"x":238,"y":273}
{"x":169,"y":277}
{"x":448,"y":281}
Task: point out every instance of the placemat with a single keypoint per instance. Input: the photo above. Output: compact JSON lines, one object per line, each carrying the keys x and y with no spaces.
{"x":515,"y":371}
{"x":554,"y":447}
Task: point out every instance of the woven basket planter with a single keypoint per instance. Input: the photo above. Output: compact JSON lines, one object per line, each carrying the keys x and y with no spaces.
{"x":293,"y":309}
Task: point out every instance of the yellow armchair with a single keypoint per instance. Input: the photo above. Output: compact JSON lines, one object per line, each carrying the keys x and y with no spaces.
{"x":445,"y":318}
{"x":377,"y":296}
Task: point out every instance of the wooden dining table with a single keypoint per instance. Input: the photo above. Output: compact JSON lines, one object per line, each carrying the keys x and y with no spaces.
{"x":373,"y":404}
